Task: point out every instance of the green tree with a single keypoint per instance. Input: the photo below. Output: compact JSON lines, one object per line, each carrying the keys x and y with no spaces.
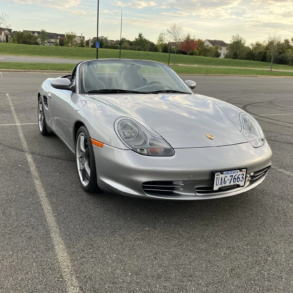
{"x":82,"y":43}
{"x":203,"y":50}
{"x":217,"y":54}
{"x":56,"y":43}
{"x":140,"y":42}
{"x":25,"y":38}
{"x":70,"y":39}
{"x":62,"y":42}
{"x":237,"y":45}
{"x":161,"y":41}
{"x":43,"y":37}
{"x":125,"y":46}
{"x":258,"y":47}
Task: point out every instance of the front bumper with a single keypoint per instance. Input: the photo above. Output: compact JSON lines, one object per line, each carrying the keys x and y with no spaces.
{"x":191,"y":170}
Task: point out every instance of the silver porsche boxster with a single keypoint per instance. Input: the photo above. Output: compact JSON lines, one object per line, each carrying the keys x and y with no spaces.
{"x":137,"y":129}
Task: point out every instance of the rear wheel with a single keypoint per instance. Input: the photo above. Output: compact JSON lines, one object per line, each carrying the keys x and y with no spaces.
{"x":85,"y":161}
{"x":41,"y":117}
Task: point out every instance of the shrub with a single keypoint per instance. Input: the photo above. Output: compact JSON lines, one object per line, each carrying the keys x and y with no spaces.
{"x":259,"y":56}
{"x":165,"y":48}
{"x":235,"y":55}
{"x":217,"y":54}
{"x":249,"y":55}
{"x":282,"y":59}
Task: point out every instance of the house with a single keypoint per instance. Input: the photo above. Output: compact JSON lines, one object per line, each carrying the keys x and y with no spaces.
{"x":222,"y":46}
{"x":79,"y":38}
{"x":4,"y":34}
{"x":52,"y":37}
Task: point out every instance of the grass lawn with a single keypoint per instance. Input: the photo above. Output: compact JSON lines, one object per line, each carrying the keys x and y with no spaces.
{"x":178,"y":69}
{"x":89,"y":53}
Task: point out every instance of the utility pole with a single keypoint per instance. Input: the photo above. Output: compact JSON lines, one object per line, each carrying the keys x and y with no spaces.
{"x":97,"y":49}
{"x":120,"y":36}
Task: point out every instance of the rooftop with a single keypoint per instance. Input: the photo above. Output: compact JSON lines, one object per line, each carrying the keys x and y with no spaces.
{"x":218,"y":43}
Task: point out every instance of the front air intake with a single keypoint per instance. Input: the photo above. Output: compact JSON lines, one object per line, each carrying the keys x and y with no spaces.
{"x":163,"y":187}
{"x":259,"y":174}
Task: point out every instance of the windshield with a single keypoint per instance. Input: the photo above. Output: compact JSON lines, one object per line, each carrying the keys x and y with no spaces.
{"x":121,"y":76}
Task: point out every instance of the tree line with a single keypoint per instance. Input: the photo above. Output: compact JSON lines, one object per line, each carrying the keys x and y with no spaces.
{"x":27,"y":38}
{"x":272,"y":50}
{"x":175,"y":41}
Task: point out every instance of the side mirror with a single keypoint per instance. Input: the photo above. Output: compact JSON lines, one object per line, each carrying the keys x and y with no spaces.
{"x":191,"y":84}
{"x":61,"y":83}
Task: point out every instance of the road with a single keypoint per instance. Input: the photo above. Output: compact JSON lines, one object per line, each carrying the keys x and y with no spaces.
{"x":56,"y":238}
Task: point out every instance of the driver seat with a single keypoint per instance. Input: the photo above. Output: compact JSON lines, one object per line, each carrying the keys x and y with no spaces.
{"x":90,"y":79}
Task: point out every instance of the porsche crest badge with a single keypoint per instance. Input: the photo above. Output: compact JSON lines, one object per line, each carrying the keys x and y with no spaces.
{"x":210,"y":136}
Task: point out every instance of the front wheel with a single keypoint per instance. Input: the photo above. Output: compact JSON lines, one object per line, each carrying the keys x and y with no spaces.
{"x":85,"y":161}
{"x":41,"y":117}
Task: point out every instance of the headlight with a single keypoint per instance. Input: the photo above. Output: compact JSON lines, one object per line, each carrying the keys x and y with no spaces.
{"x":252,"y":130}
{"x":140,"y":140}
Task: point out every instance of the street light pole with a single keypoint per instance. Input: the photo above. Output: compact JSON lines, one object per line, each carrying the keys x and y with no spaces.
{"x":97,"y":49}
{"x":120,"y":35}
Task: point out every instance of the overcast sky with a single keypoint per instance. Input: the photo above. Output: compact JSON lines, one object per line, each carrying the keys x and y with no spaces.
{"x":205,"y":19}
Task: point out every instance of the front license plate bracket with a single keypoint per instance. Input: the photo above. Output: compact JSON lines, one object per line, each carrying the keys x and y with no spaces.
{"x":227,"y":180}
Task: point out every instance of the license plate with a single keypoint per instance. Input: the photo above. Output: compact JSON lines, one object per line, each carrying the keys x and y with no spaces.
{"x":225,"y":180}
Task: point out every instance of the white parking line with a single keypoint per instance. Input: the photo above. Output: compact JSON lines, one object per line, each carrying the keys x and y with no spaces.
{"x":1,"y":75}
{"x":283,"y":171}
{"x":60,"y":248}
{"x":276,"y":114}
{"x":18,"y":124}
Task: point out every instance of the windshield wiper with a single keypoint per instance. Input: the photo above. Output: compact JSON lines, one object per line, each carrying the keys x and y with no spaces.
{"x":115,"y":91}
{"x":167,"y":91}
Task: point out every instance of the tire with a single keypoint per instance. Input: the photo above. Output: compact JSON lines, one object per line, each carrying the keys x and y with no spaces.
{"x":85,"y":161}
{"x":41,"y":118}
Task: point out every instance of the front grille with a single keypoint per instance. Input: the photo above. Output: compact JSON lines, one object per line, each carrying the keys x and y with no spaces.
{"x":163,"y":187}
{"x":193,"y":188}
{"x":200,"y":190}
{"x":45,"y":101}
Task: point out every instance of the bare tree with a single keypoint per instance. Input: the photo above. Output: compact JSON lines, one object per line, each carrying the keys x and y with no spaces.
{"x":4,"y":19}
{"x":175,"y":34}
{"x":274,"y":42}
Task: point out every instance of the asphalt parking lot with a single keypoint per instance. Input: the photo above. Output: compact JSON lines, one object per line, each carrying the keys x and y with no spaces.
{"x":56,"y":238}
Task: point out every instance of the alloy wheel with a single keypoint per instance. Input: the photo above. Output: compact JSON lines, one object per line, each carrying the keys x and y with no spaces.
{"x":83,"y":159}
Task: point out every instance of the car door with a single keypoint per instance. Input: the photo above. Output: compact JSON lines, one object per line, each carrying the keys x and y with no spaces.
{"x":60,"y":103}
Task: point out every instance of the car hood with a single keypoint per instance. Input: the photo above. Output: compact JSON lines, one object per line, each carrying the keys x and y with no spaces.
{"x":182,"y":120}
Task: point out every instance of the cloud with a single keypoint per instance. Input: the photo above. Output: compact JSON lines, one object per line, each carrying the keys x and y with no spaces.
{"x":137,"y":4}
{"x":205,"y":9}
{"x":51,"y":3}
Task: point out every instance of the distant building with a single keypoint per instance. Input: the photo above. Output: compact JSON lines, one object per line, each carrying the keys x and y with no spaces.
{"x":222,"y":46}
{"x":79,"y":38}
{"x":4,"y":34}
{"x":52,"y":37}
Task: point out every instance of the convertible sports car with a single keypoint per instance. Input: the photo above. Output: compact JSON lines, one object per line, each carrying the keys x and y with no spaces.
{"x":137,"y":129}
